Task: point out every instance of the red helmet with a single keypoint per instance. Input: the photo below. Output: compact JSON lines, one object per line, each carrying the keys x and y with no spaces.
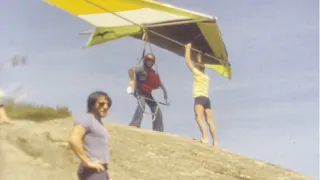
{"x":149,"y":57}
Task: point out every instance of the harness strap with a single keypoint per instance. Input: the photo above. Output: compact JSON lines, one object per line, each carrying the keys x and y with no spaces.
{"x":157,"y":108}
{"x":145,"y":44}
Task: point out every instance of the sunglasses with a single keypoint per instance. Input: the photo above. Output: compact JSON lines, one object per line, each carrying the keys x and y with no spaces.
{"x":149,"y":59}
{"x":102,"y":104}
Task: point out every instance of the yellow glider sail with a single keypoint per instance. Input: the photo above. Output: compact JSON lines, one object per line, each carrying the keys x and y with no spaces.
{"x":170,"y":27}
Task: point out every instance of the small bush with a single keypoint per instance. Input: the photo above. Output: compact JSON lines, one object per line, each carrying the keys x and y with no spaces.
{"x":35,"y":112}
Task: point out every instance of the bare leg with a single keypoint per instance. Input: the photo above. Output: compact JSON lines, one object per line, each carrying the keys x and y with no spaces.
{"x":199,"y":115}
{"x":212,"y":128}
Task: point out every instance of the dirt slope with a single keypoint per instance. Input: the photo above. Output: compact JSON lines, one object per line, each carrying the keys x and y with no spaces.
{"x":31,"y":151}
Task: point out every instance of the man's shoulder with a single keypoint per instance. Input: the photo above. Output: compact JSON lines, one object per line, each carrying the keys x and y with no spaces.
{"x":139,"y":68}
{"x":84,"y":120}
{"x":82,"y":116}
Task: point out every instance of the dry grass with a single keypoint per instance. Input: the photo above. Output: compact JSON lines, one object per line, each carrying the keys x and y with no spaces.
{"x":136,"y":154}
{"x":35,"y":112}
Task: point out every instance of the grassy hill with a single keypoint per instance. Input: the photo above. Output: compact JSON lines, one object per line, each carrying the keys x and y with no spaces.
{"x":39,"y":150}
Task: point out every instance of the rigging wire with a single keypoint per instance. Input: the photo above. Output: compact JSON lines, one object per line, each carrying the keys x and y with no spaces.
{"x":222,"y":61}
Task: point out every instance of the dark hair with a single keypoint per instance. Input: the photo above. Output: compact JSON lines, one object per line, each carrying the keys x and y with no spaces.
{"x":93,"y":97}
{"x":199,"y":66}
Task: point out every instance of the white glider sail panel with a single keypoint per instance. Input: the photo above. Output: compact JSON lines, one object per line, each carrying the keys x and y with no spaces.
{"x":114,"y":19}
{"x":139,"y":16}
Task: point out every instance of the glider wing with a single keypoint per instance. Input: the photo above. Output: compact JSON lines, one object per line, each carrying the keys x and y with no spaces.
{"x":168,"y":27}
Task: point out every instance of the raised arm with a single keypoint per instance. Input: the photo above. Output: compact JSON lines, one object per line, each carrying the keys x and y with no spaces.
{"x":187,"y":57}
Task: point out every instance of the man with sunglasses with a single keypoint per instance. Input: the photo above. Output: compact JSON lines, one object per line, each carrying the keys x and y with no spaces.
{"x":143,"y":80}
{"x":89,"y":138}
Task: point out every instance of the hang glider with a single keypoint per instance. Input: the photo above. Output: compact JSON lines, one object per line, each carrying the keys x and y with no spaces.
{"x":168,"y":27}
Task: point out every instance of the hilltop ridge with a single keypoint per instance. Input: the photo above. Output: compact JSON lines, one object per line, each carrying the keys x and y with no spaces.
{"x":39,"y":150}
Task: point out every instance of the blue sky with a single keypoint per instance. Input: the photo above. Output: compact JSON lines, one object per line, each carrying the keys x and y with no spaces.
{"x":268,"y":111}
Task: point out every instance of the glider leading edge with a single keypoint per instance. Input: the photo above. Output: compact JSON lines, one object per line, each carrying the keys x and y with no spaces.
{"x":168,"y":27}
